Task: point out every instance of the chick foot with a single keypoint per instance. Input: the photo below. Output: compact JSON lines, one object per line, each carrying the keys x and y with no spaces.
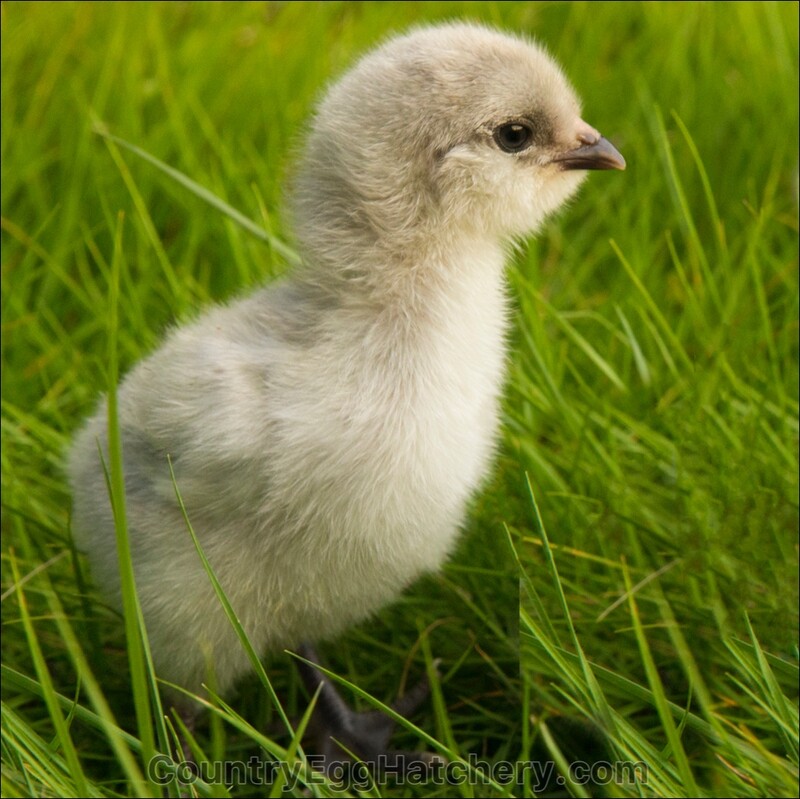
{"x":336,"y":730}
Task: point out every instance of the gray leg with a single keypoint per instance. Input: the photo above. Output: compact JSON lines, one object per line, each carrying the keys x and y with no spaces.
{"x":366,"y":734}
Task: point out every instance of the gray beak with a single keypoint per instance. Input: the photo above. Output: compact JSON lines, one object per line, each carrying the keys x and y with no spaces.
{"x":599,"y":154}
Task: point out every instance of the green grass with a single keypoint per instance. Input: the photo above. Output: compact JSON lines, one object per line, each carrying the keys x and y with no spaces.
{"x":651,"y":409}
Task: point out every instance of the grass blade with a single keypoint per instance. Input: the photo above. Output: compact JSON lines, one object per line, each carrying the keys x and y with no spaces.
{"x":204,"y":194}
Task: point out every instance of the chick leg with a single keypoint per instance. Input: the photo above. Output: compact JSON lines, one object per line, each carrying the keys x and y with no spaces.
{"x":366,"y":734}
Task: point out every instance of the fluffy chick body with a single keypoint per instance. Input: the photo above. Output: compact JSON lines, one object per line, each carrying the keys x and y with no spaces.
{"x":327,"y":431}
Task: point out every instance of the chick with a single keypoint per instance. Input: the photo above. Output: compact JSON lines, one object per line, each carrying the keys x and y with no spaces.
{"x":327,"y":432}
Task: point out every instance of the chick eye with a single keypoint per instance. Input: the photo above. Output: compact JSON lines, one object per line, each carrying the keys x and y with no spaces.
{"x":513,"y":137}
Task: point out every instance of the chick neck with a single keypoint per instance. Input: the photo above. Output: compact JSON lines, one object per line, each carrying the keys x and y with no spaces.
{"x":410,"y":268}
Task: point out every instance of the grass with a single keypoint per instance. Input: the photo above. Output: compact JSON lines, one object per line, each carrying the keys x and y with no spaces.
{"x":647,"y":481}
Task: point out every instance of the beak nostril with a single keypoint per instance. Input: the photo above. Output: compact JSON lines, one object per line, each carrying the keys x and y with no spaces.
{"x":586,"y":134}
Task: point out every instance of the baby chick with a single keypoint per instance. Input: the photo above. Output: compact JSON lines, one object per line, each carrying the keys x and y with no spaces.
{"x":327,"y":432}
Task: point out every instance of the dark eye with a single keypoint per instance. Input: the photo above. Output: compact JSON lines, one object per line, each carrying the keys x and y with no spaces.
{"x":513,"y":137}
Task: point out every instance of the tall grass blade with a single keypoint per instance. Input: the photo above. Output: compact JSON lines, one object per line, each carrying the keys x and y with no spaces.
{"x":207,"y":196}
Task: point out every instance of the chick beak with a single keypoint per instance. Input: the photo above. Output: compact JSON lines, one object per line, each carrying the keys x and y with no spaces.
{"x":594,"y":152}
